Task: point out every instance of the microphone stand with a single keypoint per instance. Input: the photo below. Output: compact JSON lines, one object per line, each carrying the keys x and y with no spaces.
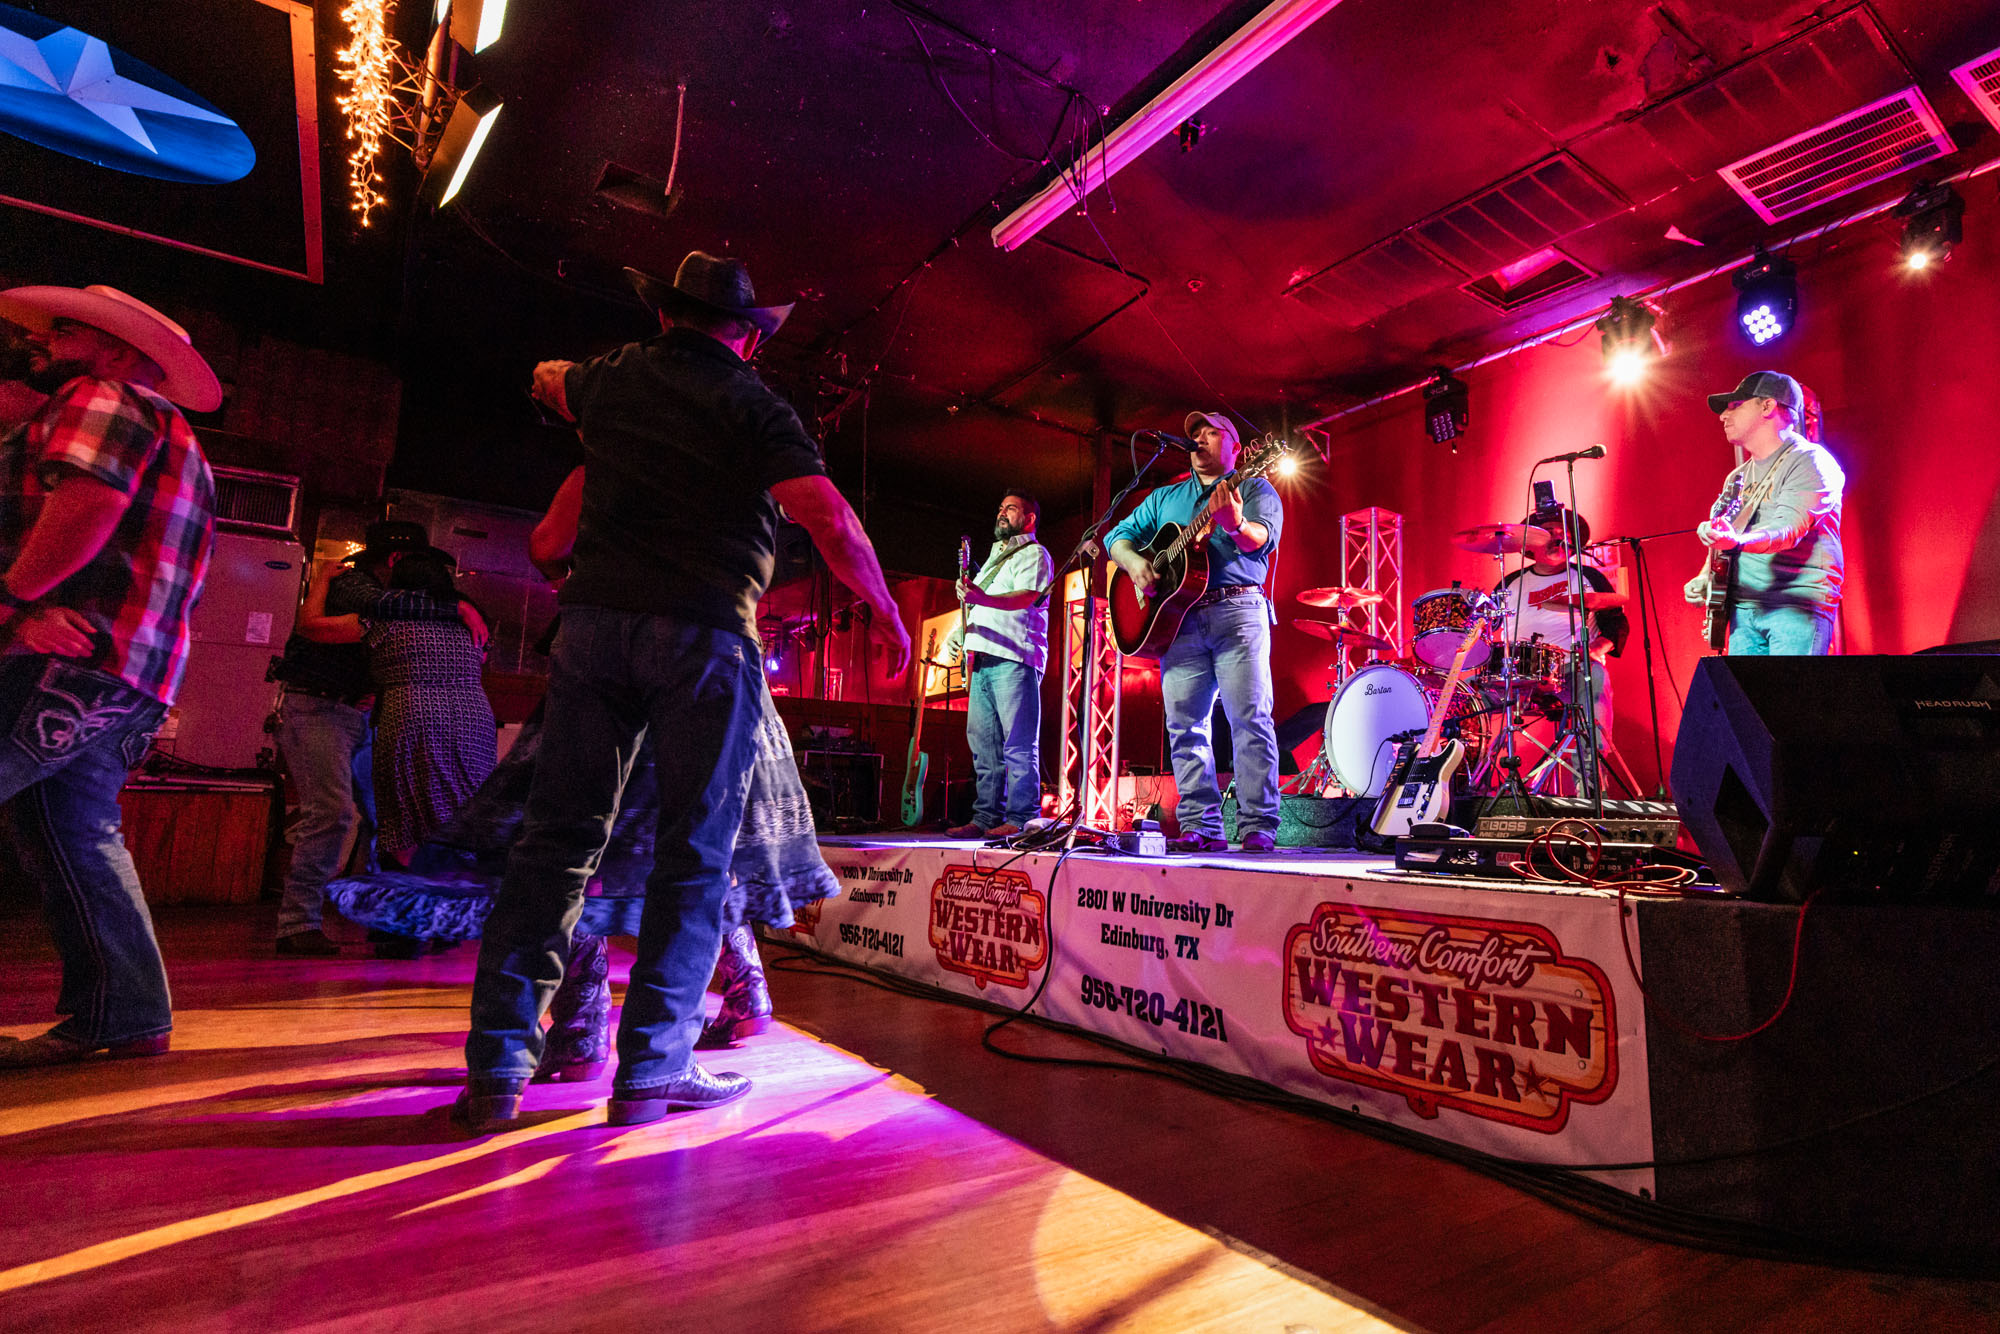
{"x":1077,"y":556}
{"x":1582,"y":683}
{"x":1642,"y":575}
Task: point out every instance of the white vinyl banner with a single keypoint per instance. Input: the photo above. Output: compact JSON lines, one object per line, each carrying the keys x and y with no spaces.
{"x":1505,"y":1020}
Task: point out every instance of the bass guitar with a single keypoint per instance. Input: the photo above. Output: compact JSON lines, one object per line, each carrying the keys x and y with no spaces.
{"x":1143,"y":626}
{"x":1419,"y":788}
{"x":917,"y":765}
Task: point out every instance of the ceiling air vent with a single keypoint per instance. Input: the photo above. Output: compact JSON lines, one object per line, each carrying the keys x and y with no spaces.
{"x":1980,"y":78}
{"x":264,"y":503}
{"x":1846,"y":154}
{"x":1524,"y":282}
{"x":1391,"y":273}
{"x":1527,"y":211}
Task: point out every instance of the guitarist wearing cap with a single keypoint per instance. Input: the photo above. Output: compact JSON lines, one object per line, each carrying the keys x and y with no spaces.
{"x":1004,"y":635}
{"x":1223,"y":646}
{"x":1775,"y":569}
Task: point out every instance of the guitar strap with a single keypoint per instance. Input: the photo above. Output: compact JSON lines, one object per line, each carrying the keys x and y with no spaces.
{"x":1747,"y":509}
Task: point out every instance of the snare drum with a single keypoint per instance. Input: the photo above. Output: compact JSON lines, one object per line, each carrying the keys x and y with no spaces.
{"x":1373,"y":706}
{"x":1537,"y":663}
{"x":1439,"y":620}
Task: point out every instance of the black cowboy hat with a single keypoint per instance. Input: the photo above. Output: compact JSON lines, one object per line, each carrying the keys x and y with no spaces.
{"x":709,"y":285}
{"x":390,"y":537}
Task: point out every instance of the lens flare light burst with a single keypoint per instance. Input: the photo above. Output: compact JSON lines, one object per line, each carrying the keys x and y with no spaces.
{"x":370,"y":69}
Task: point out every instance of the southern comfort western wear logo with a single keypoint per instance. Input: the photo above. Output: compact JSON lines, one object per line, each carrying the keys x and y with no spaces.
{"x":991,"y":926}
{"x":1487,"y":1017}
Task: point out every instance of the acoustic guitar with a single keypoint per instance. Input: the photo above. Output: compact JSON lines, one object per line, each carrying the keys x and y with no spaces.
{"x":1719,"y":603}
{"x":1143,"y":626}
{"x":1419,"y":787}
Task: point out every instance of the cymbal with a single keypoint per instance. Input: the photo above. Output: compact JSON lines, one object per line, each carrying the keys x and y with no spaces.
{"x":1593,"y":600}
{"x":1345,"y":636}
{"x":1502,"y":539}
{"x":1339,"y":599}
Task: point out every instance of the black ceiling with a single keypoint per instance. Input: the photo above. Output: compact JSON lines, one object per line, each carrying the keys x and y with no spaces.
{"x":857,"y":152}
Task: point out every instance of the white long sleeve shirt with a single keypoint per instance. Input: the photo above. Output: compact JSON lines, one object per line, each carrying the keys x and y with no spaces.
{"x":1011,"y":567}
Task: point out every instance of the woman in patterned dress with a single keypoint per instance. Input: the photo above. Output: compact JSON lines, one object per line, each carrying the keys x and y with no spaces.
{"x":435,"y":737}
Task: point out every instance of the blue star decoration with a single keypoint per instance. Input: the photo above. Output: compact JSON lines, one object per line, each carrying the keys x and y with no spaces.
{"x":69,"y":91}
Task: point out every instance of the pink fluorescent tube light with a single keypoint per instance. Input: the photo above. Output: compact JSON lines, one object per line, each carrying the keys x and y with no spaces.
{"x":1243,"y":51}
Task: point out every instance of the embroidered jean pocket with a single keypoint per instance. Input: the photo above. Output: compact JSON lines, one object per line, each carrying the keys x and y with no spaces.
{"x":132,"y":749}
{"x":70,"y":708}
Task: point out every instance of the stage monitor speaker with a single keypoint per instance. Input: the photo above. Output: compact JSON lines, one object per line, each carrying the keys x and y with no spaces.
{"x":1875,"y":778}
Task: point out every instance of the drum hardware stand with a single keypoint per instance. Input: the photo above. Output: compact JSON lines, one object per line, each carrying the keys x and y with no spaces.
{"x":1582,"y":693}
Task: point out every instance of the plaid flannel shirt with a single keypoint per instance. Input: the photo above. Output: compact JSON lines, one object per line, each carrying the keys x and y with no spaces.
{"x":138,"y":590}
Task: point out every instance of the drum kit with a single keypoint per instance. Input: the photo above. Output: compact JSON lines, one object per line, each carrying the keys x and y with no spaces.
{"x":1506,"y":687}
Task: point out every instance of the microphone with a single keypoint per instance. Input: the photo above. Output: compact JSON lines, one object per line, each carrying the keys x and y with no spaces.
{"x":1594,"y":452}
{"x":1177,"y":441}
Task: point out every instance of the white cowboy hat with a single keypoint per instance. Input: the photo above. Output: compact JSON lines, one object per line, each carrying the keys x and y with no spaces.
{"x":188,"y":379}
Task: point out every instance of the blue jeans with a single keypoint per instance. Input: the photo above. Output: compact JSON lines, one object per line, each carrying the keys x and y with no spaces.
{"x":1780,"y":631}
{"x":68,"y":738}
{"x":1003,"y":725}
{"x":615,"y":677}
{"x":328,"y":753}
{"x":1223,"y":648}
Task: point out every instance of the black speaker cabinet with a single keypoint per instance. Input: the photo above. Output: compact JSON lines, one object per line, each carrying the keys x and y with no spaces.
{"x":1874,"y":778}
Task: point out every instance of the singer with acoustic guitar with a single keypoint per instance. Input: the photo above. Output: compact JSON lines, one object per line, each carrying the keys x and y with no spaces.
{"x":1223,"y":646}
{"x":1004,"y":635}
{"x":1775,"y":569}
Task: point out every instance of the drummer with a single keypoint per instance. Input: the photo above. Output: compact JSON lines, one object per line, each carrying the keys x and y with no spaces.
{"x":1535,"y":604}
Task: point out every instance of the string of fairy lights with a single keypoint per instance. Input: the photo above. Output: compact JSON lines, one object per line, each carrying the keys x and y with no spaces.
{"x":370,"y":68}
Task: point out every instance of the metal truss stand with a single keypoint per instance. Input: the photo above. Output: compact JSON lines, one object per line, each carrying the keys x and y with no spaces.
{"x":1092,"y":685}
{"x":1371,"y":557}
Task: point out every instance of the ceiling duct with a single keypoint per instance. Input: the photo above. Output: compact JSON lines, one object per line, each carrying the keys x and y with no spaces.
{"x":1846,"y":154}
{"x":1980,"y":77}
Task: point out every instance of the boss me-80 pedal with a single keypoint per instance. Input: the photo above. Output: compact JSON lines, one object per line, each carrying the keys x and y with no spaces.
{"x":1496,"y":858}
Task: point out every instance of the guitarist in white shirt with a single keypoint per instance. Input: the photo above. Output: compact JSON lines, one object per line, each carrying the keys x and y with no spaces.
{"x":1779,"y":512}
{"x":1223,"y":647}
{"x":1004,"y":635}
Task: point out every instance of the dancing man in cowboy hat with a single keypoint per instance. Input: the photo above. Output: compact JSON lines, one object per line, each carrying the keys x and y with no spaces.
{"x":106,"y":524}
{"x":687,"y":456}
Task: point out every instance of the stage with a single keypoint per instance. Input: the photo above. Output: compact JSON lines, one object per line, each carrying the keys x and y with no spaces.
{"x":1506,"y":1019}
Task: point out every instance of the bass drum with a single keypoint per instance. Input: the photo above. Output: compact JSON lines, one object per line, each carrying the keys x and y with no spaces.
{"x":1373,"y":705}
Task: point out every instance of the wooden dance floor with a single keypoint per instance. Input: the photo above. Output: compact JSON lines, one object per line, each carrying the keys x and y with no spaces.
{"x":288,"y":1166}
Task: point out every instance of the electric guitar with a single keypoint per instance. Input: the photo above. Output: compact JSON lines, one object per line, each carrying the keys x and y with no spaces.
{"x":1721,"y":576}
{"x":917,"y":765}
{"x":1419,"y":787}
{"x":1143,"y":627}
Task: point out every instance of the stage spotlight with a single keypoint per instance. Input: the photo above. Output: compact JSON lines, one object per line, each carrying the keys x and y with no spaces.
{"x":1935,"y":222}
{"x":464,"y":135}
{"x":475,"y":24}
{"x":1629,"y":335}
{"x":1288,"y":466}
{"x":1767,"y":297}
{"x":1447,"y":407}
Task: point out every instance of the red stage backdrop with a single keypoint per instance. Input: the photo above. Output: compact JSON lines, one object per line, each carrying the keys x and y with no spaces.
{"x":1905,"y":366}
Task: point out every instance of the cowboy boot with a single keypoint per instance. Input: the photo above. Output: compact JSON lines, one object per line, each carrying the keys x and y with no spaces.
{"x":746,"y":1000}
{"x":579,"y":1038}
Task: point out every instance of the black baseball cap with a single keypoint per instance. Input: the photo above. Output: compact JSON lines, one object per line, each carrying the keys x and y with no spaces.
{"x":1559,"y":518}
{"x":1774,"y":385}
